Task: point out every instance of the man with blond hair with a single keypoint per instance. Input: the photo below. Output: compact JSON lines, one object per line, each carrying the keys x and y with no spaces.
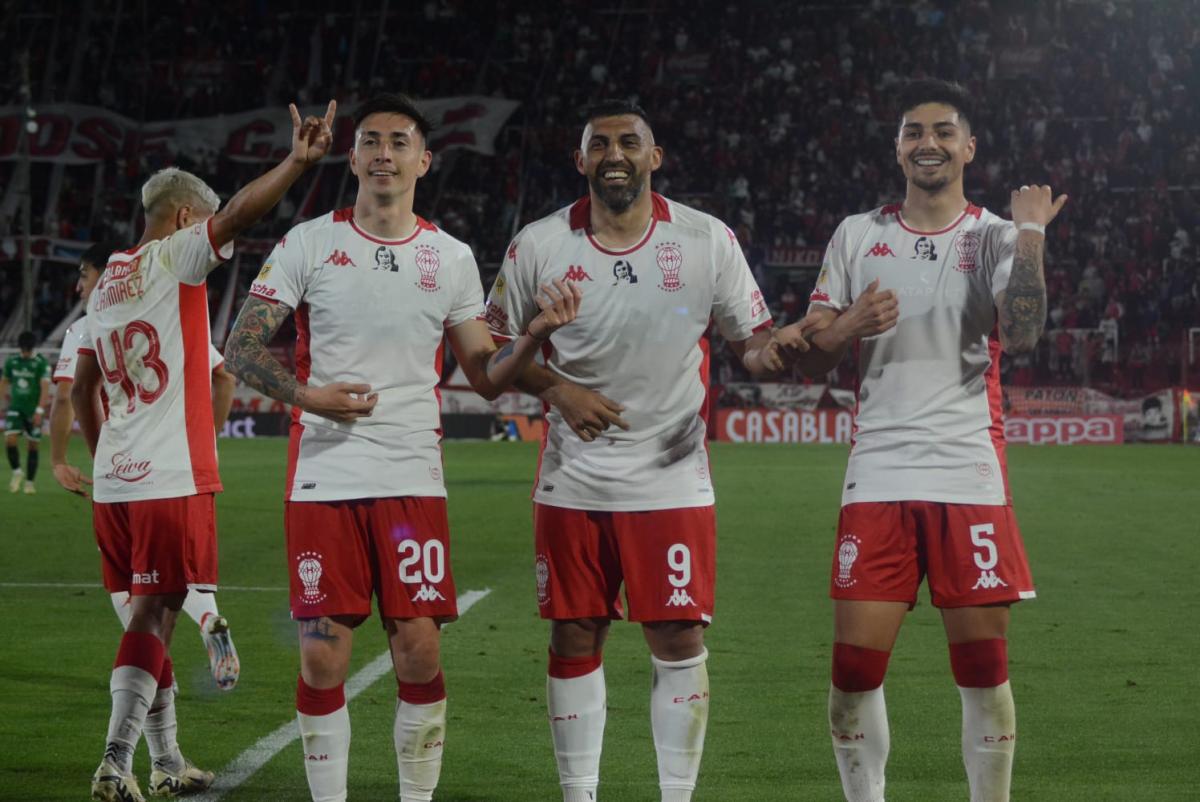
{"x":155,"y":469}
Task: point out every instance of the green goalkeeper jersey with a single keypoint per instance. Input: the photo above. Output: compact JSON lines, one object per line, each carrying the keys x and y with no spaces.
{"x":25,"y":375}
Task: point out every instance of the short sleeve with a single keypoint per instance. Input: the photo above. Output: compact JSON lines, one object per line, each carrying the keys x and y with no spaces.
{"x":1002,"y":245}
{"x":215,"y":358}
{"x":190,"y":254}
{"x":283,"y":278}
{"x":739,"y":308}
{"x":833,"y":282}
{"x":511,"y":305}
{"x":64,"y":368}
{"x":468,"y":298}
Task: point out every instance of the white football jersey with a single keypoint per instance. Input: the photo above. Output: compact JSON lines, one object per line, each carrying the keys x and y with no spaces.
{"x":370,"y":311}
{"x":147,"y":324}
{"x":76,"y":338}
{"x":928,"y":422}
{"x":639,"y":339}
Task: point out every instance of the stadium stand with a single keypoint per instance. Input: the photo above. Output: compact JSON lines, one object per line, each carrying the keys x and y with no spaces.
{"x":1088,"y":97}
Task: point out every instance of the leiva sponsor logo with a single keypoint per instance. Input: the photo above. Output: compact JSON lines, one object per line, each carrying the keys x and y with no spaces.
{"x":127,"y":468}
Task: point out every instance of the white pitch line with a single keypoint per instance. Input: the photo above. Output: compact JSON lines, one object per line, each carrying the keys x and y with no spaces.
{"x":97,"y":586}
{"x":250,"y":761}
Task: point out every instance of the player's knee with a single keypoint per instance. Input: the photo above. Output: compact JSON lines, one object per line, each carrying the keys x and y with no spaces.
{"x":980,"y":663}
{"x":577,"y":637}
{"x":857,"y":669}
{"x":673,"y":641}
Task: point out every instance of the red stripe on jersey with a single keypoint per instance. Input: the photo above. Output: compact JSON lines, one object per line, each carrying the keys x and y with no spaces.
{"x":83,"y":349}
{"x":951,"y":227}
{"x":580,"y":215}
{"x":438,"y":361}
{"x":857,"y":387}
{"x":343,"y":215}
{"x":996,"y":408}
{"x":197,"y":388}
{"x":303,"y":370}
{"x":547,"y":351}
{"x":705,"y":379}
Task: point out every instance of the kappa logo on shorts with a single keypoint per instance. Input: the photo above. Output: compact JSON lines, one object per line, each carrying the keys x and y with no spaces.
{"x":988,"y":581}
{"x":680,"y":598}
{"x":847,"y":553}
{"x":309,"y":570}
{"x":541,"y":570}
{"x":428,"y":593}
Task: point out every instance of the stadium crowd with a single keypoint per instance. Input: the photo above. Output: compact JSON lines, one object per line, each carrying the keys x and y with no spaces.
{"x":779,"y":122}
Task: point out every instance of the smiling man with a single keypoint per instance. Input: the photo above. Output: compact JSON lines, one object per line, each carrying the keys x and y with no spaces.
{"x":623,"y":491}
{"x":375,"y":289}
{"x":926,"y":490}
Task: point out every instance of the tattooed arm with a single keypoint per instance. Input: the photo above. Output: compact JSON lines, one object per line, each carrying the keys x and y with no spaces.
{"x":247,"y":357}
{"x":492,"y":370}
{"x":1022,"y":305}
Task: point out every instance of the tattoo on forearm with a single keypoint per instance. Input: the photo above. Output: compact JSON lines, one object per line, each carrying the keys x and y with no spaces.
{"x":504,"y":353}
{"x":317,"y":629}
{"x":1024,"y":314}
{"x":246,"y":354}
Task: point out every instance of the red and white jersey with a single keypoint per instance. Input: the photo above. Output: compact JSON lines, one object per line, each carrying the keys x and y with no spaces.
{"x":639,"y":340}
{"x":372,"y":311}
{"x":928,"y":423}
{"x":75,"y":338}
{"x":147,"y":323}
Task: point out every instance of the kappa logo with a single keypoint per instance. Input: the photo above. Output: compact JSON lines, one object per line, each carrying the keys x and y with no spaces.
{"x":512,"y":251}
{"x":680,"y":598}
{"x":881,"y":249}
{"x":577,"y":273}
{"x":339,"y":259}
{"x":988,"y":581}
{"x":428,"y":593}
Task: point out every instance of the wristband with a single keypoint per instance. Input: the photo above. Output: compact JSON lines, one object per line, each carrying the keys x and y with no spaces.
{"x":1038,"y":227}
{"x":39,"y":411}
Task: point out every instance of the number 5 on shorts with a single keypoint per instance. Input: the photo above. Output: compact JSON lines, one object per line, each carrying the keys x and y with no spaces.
{"x":432,"y":557}
{"x":979,"y":536}
{"x":679,"y":560}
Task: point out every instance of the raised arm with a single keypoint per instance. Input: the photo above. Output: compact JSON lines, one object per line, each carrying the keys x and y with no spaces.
{"x":1021,"y":307}
{"x":311,"y":140}
{"x":247,"y":356}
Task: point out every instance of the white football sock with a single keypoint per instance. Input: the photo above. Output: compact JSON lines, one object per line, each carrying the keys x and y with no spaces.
{"x":859,"y":728}
{"x":577,"y":714}
{"x":198,"y":604}
{"x":989,"y":737}
{"x":326,"y":745}
{"x":122,"y":607}
{"x":132,"y":690}
{"x":679,"y":718}
{"x":161,"y":730}
{"x":419,"y":732}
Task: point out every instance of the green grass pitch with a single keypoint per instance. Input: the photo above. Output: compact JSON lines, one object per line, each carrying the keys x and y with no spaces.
{"x":1103,"y":663}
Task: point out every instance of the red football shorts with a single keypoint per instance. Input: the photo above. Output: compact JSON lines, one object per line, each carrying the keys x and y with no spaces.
{"x":162,"y":545}
{"x":340,"y":552}
{"x":667,"y":559}
{"x":972,"y":554}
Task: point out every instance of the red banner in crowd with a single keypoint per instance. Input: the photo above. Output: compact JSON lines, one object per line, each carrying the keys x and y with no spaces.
{"x":1065,"y":429}
{"x":69,"y":133}
{"x":785,"y":425}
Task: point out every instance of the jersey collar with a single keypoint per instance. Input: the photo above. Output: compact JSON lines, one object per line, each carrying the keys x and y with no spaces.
{"x":580,"y":217}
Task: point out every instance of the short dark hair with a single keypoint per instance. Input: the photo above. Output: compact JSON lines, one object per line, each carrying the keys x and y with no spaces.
{"x":393,"y":103}
{"x":933,"y":90}
{"x":97,"y":255}
{"x":615,"y":108}
{"x":26,"y":341}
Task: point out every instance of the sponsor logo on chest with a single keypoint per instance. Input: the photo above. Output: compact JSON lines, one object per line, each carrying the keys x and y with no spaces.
{"x":128,"y":468}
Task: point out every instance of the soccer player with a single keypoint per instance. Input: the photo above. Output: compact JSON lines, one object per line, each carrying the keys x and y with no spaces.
{"x":200,"y":605}
{"x":25,"y":386}
{"x":155,"y":455}
{"x":623,"y":491}
{"x":374,"y":289}
{"x":928,"y":292}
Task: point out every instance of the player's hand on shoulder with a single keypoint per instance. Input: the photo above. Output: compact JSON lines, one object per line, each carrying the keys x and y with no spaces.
{"x":343,"y":402}
{"x":587,"y":412}
{"x":559,"y":303}
{"x":71,"y":478}
{"x":873,"y":312}
{"x":312,"y":136}
{"x":1035,"y":204}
